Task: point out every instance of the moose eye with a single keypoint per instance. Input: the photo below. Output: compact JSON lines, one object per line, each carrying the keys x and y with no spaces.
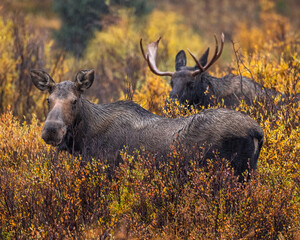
{"x":48,"y":101}
{"x":74,"y":102}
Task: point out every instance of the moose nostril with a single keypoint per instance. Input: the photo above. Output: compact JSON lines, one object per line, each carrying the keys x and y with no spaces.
{"x":49,"y":132}
{"x":52,"y":130}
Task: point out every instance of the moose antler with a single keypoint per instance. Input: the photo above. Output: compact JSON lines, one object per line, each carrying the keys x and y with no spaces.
{"x":216,"y":56}
{"x":150,"y":57}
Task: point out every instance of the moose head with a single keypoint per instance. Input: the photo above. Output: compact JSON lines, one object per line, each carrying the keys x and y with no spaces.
{"x":63,"y":101}
{"x":184,"y":78}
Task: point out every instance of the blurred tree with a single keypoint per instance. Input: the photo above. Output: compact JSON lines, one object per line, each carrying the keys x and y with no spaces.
{"x":141,"y":6}
{"x":81,"y":17}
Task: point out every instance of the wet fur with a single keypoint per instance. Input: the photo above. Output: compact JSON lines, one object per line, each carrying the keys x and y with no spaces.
{"x":103,"y":130}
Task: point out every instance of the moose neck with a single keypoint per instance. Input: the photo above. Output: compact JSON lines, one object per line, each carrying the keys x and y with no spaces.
{"x":94,"y":117}
{"x":205,"y":77}
{"x":89,"y":120}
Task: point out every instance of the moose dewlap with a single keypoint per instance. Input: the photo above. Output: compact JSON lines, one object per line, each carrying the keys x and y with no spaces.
{"x":102,"y":130}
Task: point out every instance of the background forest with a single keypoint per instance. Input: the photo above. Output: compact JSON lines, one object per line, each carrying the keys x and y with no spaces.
{"x":49,"y":195}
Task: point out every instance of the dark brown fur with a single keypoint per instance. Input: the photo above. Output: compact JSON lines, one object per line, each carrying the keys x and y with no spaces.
{"x":79,"y":126}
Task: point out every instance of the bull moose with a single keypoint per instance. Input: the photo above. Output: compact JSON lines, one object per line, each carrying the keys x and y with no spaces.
{"x":194,"y":86}
{"x":101,"y":130}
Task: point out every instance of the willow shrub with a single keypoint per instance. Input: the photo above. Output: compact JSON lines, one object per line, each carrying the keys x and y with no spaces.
{"x":46,"y":194}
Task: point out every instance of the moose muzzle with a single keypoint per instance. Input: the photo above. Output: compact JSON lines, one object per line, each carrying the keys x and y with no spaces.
{"x":54,"y":132}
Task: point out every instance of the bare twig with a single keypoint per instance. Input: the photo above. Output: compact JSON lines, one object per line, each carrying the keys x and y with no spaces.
{"x":238,"y":62}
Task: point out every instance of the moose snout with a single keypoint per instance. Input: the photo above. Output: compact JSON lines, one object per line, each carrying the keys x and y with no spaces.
{"x":53,"y":132}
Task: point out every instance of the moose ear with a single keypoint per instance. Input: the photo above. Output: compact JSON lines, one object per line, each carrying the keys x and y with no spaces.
{"x":203,"y":59}
{"x":180,"y":60}
{"x":84,"y":79}
{"x":42,"y":80}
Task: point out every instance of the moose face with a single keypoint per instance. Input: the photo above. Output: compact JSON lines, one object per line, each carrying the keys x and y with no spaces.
{"x":182,"y":84}
{"x":63,"y":102}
